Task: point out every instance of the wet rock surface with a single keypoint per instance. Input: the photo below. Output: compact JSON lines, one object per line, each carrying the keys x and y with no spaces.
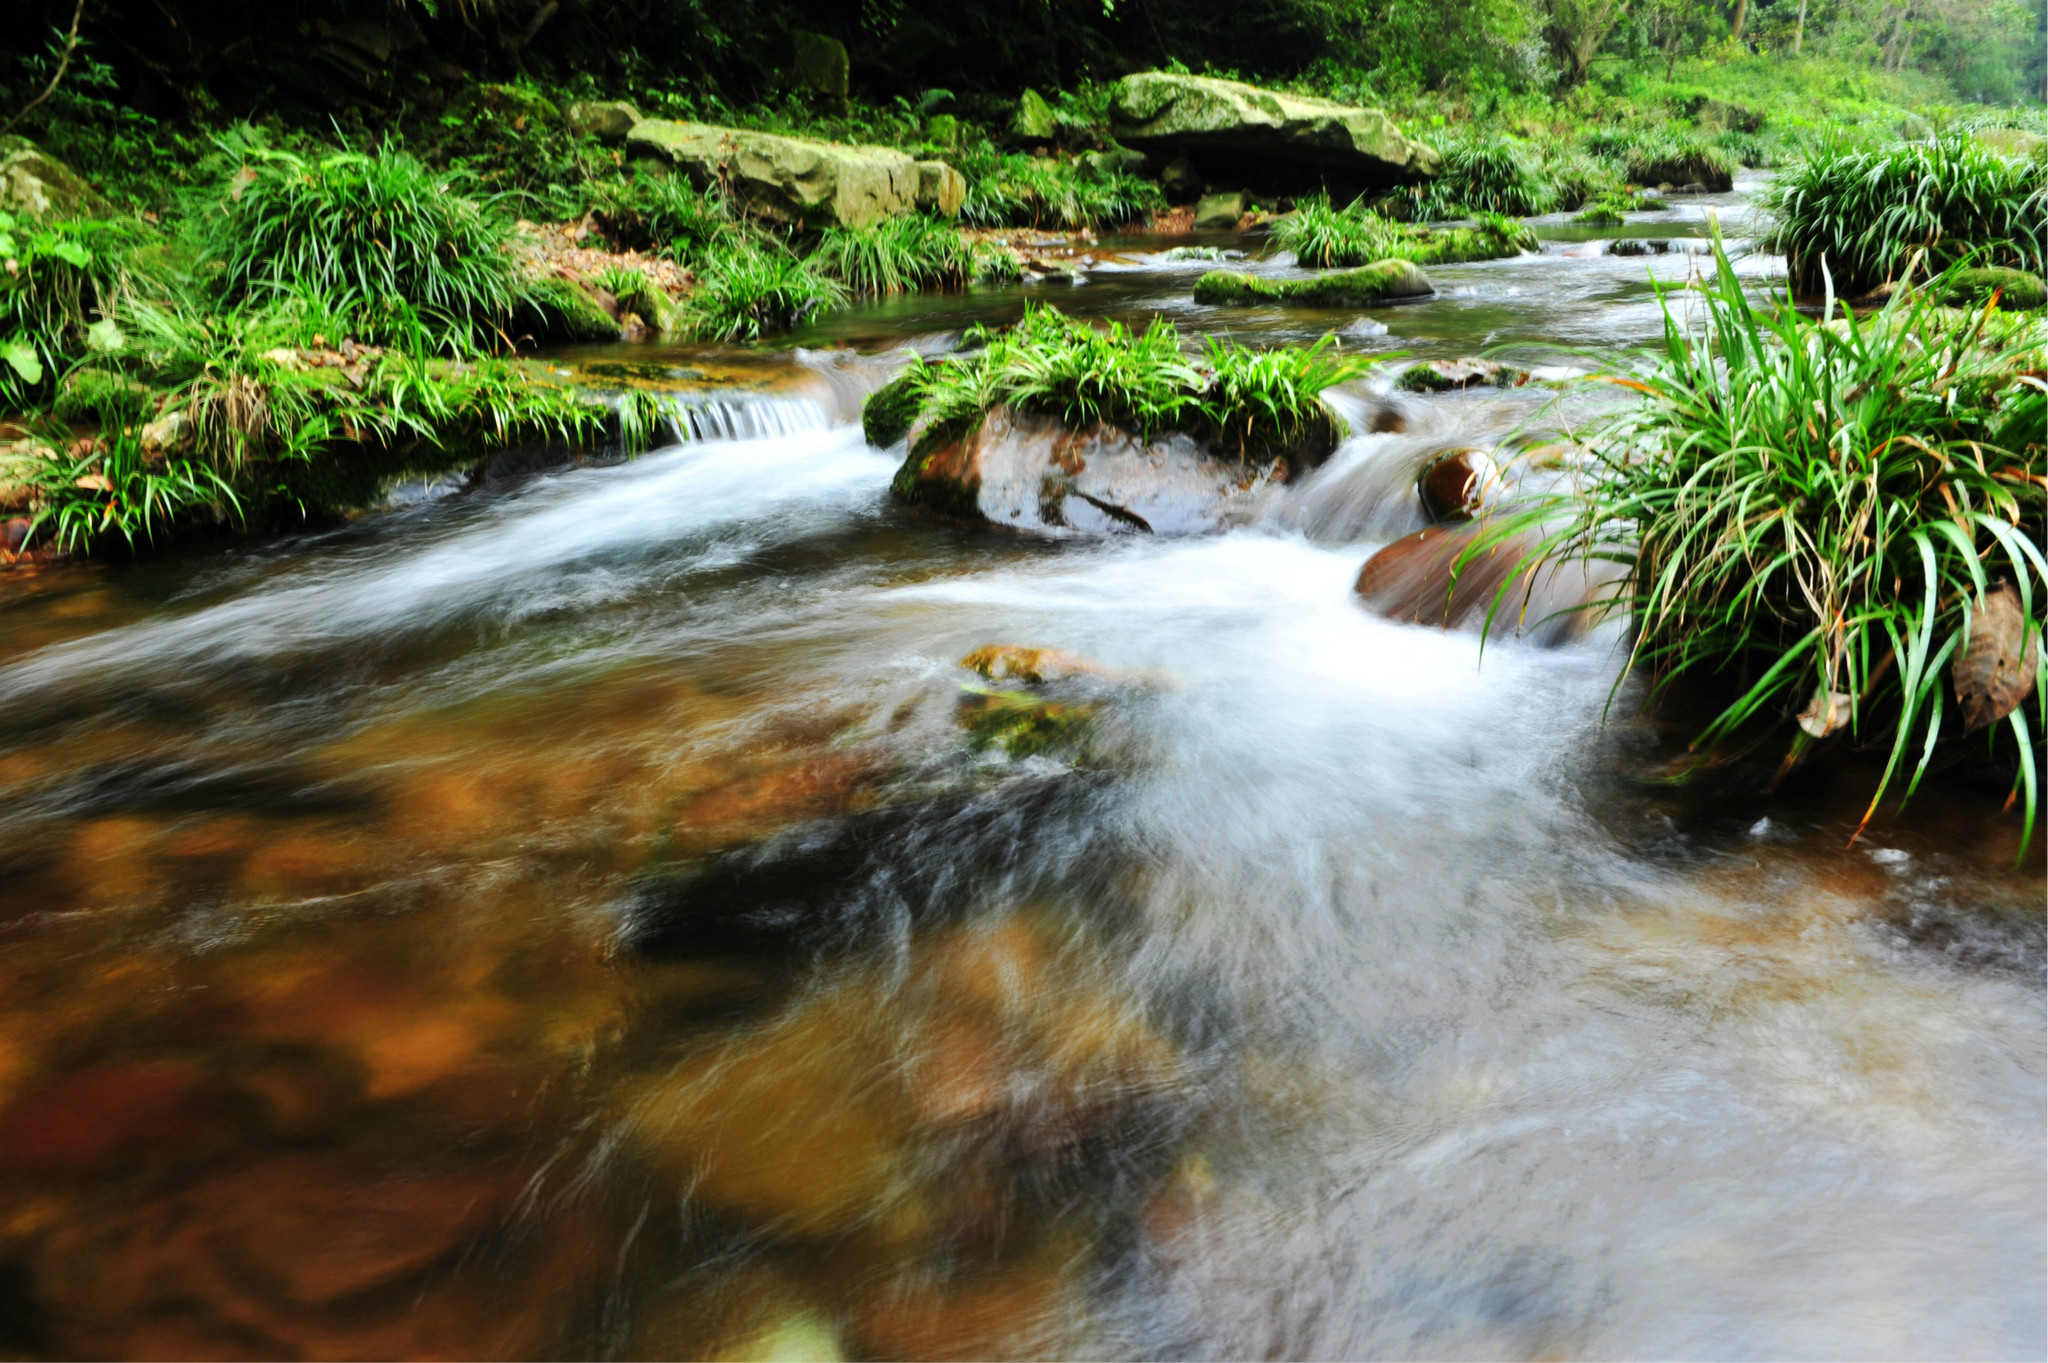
{"x":1028,"y":472}
{"x":1443,"y":376}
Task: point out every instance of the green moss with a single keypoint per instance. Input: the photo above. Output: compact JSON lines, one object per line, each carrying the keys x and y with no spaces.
{"x":886,"y":416}
{"x":1021,"y":723}
{"x":2016,"y":289}
{"x":565,"y":312}
{"x":1362,"y":287}
{"x":95,"y":394}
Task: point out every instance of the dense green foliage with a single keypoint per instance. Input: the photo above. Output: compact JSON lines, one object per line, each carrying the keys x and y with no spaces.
{"x":1857,"y":217}
{"x":1256,"y":403}
{"x":1009,"y":190}
{"x":59,"y":286}
{"x":899,"y":255}
{"x":1815,"y":511}
{"x":751,"y":291}
{"x":1322,"y":237}
{"x":392,"y":247}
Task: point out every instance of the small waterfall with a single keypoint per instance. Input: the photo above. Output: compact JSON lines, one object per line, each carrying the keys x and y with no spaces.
{"x":693,"y":419}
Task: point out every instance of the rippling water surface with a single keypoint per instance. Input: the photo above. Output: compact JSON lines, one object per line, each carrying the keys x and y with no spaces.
{"x":596,"y":914}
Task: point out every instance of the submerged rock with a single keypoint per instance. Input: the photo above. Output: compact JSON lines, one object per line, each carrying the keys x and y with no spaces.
{"x":1030,"y":472}
{"x":1419,"y":579}
{"x":790,"y":179}
{"x":1454,"y":487}
{"x":1230,"y":122}
{"x":1443,"y":376}
{"x":1362,"y":287}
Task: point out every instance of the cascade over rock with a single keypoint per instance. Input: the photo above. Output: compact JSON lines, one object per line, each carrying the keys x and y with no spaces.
{"x":1235,"y":131}
{"x":1030,"y":472}
{"x":786,"y":178}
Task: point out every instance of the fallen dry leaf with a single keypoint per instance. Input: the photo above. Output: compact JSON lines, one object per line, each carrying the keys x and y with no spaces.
{"x":1993,"y":677}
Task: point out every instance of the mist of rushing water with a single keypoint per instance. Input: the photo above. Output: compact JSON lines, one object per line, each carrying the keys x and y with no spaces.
{"x":619,"y":866}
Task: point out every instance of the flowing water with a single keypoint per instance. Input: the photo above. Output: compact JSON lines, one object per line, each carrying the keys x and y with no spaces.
{"x":597,"y":915}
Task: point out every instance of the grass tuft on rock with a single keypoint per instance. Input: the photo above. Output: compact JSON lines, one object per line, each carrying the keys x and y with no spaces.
{"x":1842,"y":520}
{"x":1363,"y":287}
{"x":1245,"y":403}
{"x":1856,"y":217}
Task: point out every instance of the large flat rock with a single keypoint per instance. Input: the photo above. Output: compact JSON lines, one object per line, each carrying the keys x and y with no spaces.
{"x":1206,"y":118}
{"x":790,"y":179}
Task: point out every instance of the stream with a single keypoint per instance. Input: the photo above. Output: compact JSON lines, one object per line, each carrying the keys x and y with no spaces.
{"x":578,"y":916}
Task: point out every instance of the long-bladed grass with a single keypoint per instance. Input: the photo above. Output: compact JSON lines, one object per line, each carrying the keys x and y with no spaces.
{"x":1324,"y":237}
{"x":1486,"y":173}
{"x":896,"y":255}
{"x":396,"y":246}
{"x":1856,"y":217}
{"x":751,"y":292}
{"x":1252,"y":403}
{"x":60,"y":285}
{"x":1008,"y":190}
{"x":1816,"y":513}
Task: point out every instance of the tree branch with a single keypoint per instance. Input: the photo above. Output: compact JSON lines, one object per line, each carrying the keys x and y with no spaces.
{"x":63,"y":64}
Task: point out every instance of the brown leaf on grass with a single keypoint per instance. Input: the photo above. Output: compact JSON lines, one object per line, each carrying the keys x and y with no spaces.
{"x":1993,"y":677}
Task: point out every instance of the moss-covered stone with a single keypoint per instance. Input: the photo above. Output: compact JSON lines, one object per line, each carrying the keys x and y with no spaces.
{"x":1457,"y":245}
{"x":786,"y":178}
{"x":100,"y":395}
{"x":1033,"y":121}
{"x":2016,"y":289}
{"x":1219,"y":211}
{"x":608,"y":119}
{"x":37,"y":185}
{"x":886,"y":416}
{"x":1157,"y":111}
{"x":568,"y":313}
{"x":1362,"y":287}
{"x":819,"y":63}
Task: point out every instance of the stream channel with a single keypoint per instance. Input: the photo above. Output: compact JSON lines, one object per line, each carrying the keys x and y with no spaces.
{"x":570,"y":917}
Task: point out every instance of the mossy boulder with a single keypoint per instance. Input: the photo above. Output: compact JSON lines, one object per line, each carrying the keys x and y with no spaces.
{"x":1033,"y":121}
{"x":38,"y":185}
{"x":789,"y":179}
{"x":2016,"y":289}
{"x":1459,"y":245}
{"x":1166,"y":115}
{"x":606,"y":119}
{"x":819,"y":63}
{"x":567,"y":312}
{"x":1444,"y":376}
{"x":1219,"y":211}
{"x":886,"y":416}
{"x":942,"y":131}
{"x":1363,"y":287}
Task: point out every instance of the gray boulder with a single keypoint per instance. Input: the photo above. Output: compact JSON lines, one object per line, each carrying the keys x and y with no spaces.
{"x":789,"y":179}
{"x":38,"y":186}
{"x":820,"y":64}
{"x":940,"y":188}
{"x":1167,"y":114}
{"x":609,"y":119}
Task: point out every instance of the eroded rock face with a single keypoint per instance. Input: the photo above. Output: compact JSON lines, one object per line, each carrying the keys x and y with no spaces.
{"x":941,"y":188}
{"x":785,"y":178}
{"x":609,"y":119}
{"x":1030,"y":472}
{"x":1206,"y":118}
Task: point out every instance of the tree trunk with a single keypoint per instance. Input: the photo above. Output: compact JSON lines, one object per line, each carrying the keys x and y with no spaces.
{"x":1741,"y":18}
{"x":1799,"y":33}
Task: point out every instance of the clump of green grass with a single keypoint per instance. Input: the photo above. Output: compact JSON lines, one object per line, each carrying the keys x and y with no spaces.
{"x":116,"y":488}
{"x":1009,"y":190}
{"x":754,"y":291}
{"x":1486,"y":173}
{"x":1655,"y":156}
{"x":1607,"y":210}
{"x":1817,"y":512}
{"x":897,"y":255}
{"x":400,"y":251}
{"x":1323,"y":237}
{"x":1856,"y":217}
{"x":1257,"y":404}
{"x":665,"y":213}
